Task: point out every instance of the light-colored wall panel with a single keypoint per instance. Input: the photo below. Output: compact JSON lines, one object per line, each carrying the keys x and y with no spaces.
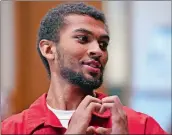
{"x":7,"y":54}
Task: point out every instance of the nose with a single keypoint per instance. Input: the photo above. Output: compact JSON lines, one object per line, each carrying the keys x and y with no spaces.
{"x":95,"y":51}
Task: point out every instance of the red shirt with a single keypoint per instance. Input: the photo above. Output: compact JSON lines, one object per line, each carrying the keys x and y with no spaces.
{"x":38,"y":119}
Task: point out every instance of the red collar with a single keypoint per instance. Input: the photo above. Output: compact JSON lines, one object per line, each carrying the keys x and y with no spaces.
{"x":39,"y":114}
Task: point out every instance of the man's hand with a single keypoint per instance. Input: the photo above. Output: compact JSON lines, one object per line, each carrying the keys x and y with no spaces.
{"x":100,"y":130}
{"x":83,"y":114}
{"x":119,"y":117}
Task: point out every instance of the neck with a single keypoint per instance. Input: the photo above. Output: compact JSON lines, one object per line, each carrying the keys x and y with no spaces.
{"x":64,"y":96}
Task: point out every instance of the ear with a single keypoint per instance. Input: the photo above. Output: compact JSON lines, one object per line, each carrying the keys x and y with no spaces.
{"x":47,"y":49}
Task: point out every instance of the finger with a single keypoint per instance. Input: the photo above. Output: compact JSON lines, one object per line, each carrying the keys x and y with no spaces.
{"x":118,"y":116}
{"x":91,"y":130}
{"x":87,"y":100}
{"x":102,"y":131}
{"x":113,"y":99}
{"x":105,"y":106}
{"x":93,"y":107}
{"x":119,"y":107}
{"x":118,"y":102}
{"x":117,"y":113}
{"x":109,"y":99}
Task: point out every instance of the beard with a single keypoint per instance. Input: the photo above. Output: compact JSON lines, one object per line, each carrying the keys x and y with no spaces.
{"x":77,"y":78}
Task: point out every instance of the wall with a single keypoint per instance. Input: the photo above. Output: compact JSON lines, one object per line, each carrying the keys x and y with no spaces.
{"x":7,"y":54}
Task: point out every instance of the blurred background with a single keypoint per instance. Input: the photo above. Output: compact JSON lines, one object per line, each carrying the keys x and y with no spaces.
{"x":139,"y":66}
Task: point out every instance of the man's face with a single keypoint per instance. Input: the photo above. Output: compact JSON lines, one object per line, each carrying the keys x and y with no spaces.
{"x":82,"y":51}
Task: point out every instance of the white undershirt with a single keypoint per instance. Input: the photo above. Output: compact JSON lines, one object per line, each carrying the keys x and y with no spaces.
{"x":63,"y":116}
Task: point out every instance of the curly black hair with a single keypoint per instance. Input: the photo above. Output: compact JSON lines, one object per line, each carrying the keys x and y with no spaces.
{"x":53,"y":21}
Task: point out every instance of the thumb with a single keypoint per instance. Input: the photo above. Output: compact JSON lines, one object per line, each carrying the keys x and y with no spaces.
{"x":90,"y":130}
{"x":101,"y":130}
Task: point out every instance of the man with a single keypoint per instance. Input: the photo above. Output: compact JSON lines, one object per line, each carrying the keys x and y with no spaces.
{"x":72,"y":42}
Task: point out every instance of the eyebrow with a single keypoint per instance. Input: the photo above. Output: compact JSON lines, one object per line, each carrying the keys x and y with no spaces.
{"x":105,"y":36}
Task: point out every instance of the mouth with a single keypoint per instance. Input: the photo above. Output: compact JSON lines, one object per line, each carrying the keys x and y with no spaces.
{"x":92,"y":66}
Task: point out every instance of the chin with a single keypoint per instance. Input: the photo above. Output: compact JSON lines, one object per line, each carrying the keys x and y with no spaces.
{"x":90,"y":83}
{"x":87,"y":82}
{"x":92,"y":76}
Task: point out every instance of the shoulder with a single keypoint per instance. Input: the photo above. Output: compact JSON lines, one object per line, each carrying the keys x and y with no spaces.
{"x":132,"y":113}
{"x":15,"y":123}
{"x":27,"y":120}
{"x":144,"y":121}
{"x":135,"y":117}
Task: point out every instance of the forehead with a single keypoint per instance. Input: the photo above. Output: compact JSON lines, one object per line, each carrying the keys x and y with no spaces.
{"x":75,"y":21}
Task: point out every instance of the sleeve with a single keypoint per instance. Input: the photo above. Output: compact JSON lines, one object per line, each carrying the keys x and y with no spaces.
{"x":152,"y":127}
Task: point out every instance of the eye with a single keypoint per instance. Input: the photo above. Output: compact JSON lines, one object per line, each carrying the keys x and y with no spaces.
{"x":83,"y":39}
{"x":103,"y":45}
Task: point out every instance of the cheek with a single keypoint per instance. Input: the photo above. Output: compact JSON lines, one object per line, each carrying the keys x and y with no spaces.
{"x":105,"y":59}
{"x":72,"y":53}
{"x":78,"y":51}
{"x":72,"y":47}
{"x":72,"y":59}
